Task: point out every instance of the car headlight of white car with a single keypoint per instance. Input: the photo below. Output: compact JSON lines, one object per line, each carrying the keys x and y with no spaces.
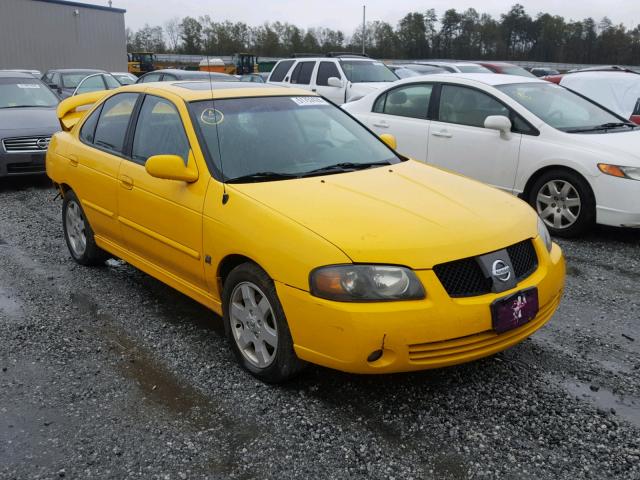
{"x":543,"y":231}
{"x":632,"y":173}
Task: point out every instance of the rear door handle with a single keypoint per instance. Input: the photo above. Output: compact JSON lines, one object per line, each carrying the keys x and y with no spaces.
{"x":381,"y":124}
{"x":126,"y":182}
{"x":73,"y":160}
{"x":442,"y":133}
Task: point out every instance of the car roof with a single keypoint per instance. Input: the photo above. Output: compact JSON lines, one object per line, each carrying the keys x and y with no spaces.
{"x":193,"y":90}
{"x":177,"y":71}
{"x":486,"y":78}
{"x":339,"y":58}
{"x":14,"y":74}
{"x":444,"y":62}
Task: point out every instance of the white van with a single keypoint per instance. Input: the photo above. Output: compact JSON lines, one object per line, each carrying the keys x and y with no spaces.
{"x":340,"y":78}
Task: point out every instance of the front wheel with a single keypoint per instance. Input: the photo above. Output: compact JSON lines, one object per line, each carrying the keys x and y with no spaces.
{"x":78,"y":233}
{"x":256,"y":325}
{"x":564,"y":201}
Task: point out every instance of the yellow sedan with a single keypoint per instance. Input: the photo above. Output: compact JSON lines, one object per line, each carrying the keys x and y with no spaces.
{"x":311,"y":236}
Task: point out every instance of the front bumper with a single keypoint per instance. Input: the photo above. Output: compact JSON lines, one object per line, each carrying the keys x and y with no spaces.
{"x":438,"y":331}
{"x":15,"y":164}
{"x":618,"y":201}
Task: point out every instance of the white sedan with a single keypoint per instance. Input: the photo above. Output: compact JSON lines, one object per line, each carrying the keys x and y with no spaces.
{"x":573,"y":161}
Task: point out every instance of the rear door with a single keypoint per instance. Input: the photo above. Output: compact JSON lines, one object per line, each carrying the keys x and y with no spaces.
{"x":96,"y":163}
{"x":458,"y":140}
{"x":327,"y":69}
{"x":403,"y":112}
{"x":302,"y":74}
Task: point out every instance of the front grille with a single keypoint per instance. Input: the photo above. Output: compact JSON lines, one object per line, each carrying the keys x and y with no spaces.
{"x":26,"y":144}
{"x":464,"y":278}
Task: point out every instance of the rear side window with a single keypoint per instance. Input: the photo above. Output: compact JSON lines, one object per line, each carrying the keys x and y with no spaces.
{"x":159,"y":131}
{"x":326,"y":70}
{"x":88,"y":129}
{"x":280,"y":71}
{"x":152,"y":77}
{"x":113,"y":122}
{"x":302,"y":73}
{"x":411,"y":101}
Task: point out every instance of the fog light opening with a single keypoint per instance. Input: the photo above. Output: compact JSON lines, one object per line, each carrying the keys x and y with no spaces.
{"x":375,"y":355}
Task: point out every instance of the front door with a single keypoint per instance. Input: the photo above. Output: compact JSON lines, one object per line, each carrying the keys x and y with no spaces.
{"x":326,"y":70}
{"x":161,"y":220}
{"x":459,"y":142}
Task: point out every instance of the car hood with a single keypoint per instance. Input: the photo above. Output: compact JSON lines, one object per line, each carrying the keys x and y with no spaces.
{"x":359,"y":90}
{"x":28,"y":120}
{"x":407,"y":214}
{"x":624,"y":147}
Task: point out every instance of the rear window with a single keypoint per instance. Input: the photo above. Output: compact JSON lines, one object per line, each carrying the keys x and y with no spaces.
{"x":280,"y":71}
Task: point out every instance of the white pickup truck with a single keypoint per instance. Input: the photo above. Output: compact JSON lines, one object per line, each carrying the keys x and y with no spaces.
{"x":340,"y":78}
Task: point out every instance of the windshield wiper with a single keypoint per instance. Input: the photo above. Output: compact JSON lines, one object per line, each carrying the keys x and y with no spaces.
{"x":604,"y":126}
{"x":342,"y":167}
{"x":262,"y":177}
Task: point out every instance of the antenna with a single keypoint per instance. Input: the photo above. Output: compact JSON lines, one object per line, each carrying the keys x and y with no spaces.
{"x":225,"y":195}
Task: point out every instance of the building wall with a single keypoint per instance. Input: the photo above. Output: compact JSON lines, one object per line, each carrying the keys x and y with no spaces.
{"x":40,"y":35}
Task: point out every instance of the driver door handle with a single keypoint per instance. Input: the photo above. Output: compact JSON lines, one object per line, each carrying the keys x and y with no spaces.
{"x":126,"y":182}
{"x":442,"y":133}
{"x":381,"y":124}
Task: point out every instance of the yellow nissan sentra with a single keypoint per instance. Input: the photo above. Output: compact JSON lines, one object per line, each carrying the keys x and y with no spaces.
{"x":311,"y":236}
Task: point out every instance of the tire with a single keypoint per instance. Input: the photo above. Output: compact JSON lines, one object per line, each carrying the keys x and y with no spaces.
{"x":256,"y":325}
{"x":565,"y":202}
{"x":78,"y":233}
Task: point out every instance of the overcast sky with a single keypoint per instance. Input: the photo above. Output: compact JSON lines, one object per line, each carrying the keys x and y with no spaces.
{"x":346,"y":14}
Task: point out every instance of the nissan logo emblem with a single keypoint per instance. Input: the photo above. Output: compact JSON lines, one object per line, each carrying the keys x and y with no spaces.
{"x":501,"y":271}
{"x":42,"y":143}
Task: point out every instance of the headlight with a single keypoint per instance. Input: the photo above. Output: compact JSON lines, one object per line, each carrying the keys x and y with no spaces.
{"x":543,"y":231}
{"x":632,"y":173}
{"x":365,"y":283}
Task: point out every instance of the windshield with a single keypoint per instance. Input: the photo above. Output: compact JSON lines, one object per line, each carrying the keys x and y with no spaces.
{"x":473,"y":69}
{"x":72,"y":80}
{"x":284,"y":135}
{"x":25,"y":92}
{"x":515,"y":70}
{"x":358,"y":71}
{"x":558,"y":107}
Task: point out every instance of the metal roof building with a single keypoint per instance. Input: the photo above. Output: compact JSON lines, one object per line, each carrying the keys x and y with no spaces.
{"x":43,"y":34}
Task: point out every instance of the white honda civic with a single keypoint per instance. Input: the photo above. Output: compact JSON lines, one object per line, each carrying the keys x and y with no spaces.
{"x":574,"y":161}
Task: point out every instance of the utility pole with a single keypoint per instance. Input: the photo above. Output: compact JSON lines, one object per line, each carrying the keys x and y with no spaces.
{"x":364,"y":28}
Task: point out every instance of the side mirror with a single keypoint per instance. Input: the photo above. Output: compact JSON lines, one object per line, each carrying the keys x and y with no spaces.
{"x":334,"y":82}
{"x":170,"y":167}
{"x":390,"y":140}
{"x":500,"y":123}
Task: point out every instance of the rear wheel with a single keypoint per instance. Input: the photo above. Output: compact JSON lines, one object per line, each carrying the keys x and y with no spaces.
{"x":564,"y":201}
{"x":256,"y":325}
{"x":78,"y":233}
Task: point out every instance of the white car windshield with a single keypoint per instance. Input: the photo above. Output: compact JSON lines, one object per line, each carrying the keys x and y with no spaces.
{"x":275,"y":138}
{"x":561,"y":108}
{"x":358,"y":71}
{"x":473,"y":69}
{"x":25,"y":92}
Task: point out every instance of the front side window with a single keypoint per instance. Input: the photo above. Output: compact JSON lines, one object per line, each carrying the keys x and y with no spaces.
{"x":25,"y":92}
{"x":559,"y":107}
{"x":326,"y":70}
{"x":111,"y":82}
{"x":152,"y":77}
{"x":72,"y":80}
{"x":467,"y":106}
{"x":360,"y":71}
{"x":280,"y":71}
{"x":113,"y":122}
{"x":159,"y":131}
{"x":292,"y":136}
{"x":409,"y":101}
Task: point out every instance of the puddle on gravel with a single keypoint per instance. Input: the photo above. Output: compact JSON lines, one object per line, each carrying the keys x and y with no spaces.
{"x":627,"y":407}
{"x":10,"y":306}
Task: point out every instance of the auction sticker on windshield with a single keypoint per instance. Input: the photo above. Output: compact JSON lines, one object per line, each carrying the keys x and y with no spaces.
{"x":307,"y":101}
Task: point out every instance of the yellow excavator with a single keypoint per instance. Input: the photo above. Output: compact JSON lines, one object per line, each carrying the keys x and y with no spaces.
{"x":140,"y":62}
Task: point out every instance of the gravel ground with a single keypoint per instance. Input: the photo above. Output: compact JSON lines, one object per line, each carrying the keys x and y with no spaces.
{"x":107,"y":373}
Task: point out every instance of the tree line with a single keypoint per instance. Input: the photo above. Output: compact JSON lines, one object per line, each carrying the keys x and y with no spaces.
{"x":467,"y":34}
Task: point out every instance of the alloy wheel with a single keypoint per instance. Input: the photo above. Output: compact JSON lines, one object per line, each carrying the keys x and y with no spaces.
{"x":558,"y":204}
{"x":75,"y":226}
{"x":253,"y":324}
